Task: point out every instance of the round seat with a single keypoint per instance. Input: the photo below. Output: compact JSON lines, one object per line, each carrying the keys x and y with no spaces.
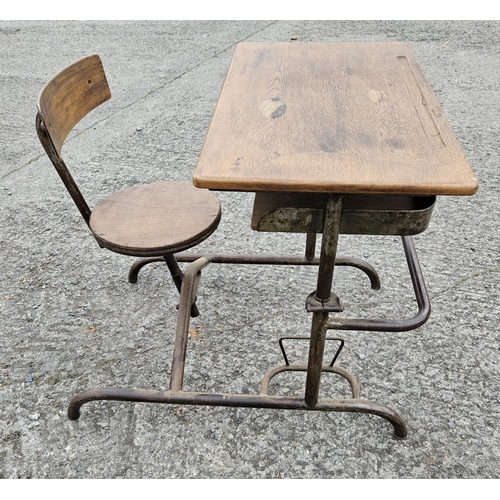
{"x":155,"y":219}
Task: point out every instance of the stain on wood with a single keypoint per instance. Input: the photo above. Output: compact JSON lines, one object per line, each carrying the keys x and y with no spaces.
{"x":344,"y":117}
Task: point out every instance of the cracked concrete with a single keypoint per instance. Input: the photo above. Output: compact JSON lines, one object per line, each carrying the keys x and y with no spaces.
{"x":71,"y":321}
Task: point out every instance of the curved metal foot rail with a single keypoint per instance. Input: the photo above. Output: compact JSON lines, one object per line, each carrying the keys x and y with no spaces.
{"x":379,"y":325}
{"x":275,"y":260}
{"x":264,"y":387}
{"x":236,"y":400}
{"x":138,"y":265}
{"x":354,"y":404}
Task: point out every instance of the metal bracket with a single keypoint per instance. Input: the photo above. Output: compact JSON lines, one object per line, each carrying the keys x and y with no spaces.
{"x":315,"y":305}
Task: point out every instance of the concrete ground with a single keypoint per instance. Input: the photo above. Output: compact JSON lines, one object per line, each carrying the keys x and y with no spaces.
{"x":70,"y":320}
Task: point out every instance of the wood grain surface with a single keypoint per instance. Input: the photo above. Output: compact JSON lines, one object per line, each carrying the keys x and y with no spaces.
{"x":70,"y":95}
{"x":155,"y":219}
{"x":330,"y":117}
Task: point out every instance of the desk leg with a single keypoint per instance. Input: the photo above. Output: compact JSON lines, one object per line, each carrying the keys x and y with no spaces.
{"x":315,"y":363}
{"x":322,"y":301}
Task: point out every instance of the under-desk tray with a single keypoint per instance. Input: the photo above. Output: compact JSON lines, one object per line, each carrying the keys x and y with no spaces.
{"x":361,"y":214}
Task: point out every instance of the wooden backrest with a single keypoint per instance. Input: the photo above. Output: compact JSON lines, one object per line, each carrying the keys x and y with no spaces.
{"x":62,"y":103}
{"x":70,"y":95}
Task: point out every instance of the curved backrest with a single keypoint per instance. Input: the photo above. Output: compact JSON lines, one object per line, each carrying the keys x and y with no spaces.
{"x":62,"y":103}
{"x":70,"y":95}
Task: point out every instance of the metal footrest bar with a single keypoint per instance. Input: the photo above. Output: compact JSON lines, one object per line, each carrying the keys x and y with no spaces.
{"x":274,"y":260}
{"x":264,"y":386}
{"x":421,"y":295}
{"x":237,"y":400}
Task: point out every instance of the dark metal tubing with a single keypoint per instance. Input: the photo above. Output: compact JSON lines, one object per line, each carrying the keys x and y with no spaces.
{"x":331,"y":228}
{"x":236,"y":400}
{"x":378,"y":325}
{"x":333,"y":215}
{"x":315,"y":360}
{"x":138,"y":265}
{"x":342,"y":342}
{"x":264,"y":386}
{"x":275,"y":260}
{"x":310,"y":246}
{"x":307,"y":338}
{"x":188,"y":294}
{"x":177,"y":276}
{"x":62,"y":169}
{"x":175,"y":271}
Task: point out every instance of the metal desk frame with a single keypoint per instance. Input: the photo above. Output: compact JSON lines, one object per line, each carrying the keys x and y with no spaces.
{"x":320,"y":303}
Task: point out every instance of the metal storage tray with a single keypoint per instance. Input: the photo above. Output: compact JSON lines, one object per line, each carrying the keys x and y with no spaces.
{"x":361,"y":214}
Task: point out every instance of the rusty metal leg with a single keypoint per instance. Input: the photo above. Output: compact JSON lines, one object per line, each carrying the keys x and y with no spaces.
{"x":188,"y":294}
{"x":333,"y":214}
{"x":310,"y":246}
{"x":177,"y":276}
{"x":323,"y":301}
{"x":138,"y":265}
{"x":315,"y":363}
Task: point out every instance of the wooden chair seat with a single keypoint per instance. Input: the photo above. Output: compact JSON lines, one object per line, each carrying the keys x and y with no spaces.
{"x":155,"y":219}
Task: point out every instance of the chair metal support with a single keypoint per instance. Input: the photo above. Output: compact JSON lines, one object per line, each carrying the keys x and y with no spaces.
{"x":273,"y":260}
{"x":177,"y":276}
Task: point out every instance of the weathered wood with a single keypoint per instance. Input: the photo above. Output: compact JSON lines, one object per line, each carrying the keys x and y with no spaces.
{"x":154,"y":219}
{"x":331,"y":117}
{"x":70,"y":95}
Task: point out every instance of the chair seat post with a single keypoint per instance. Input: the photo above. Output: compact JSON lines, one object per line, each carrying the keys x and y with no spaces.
{"x":177,"y":276}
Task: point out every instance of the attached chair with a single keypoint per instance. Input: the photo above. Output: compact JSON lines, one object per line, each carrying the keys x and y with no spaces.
{"x":150,"y":220}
